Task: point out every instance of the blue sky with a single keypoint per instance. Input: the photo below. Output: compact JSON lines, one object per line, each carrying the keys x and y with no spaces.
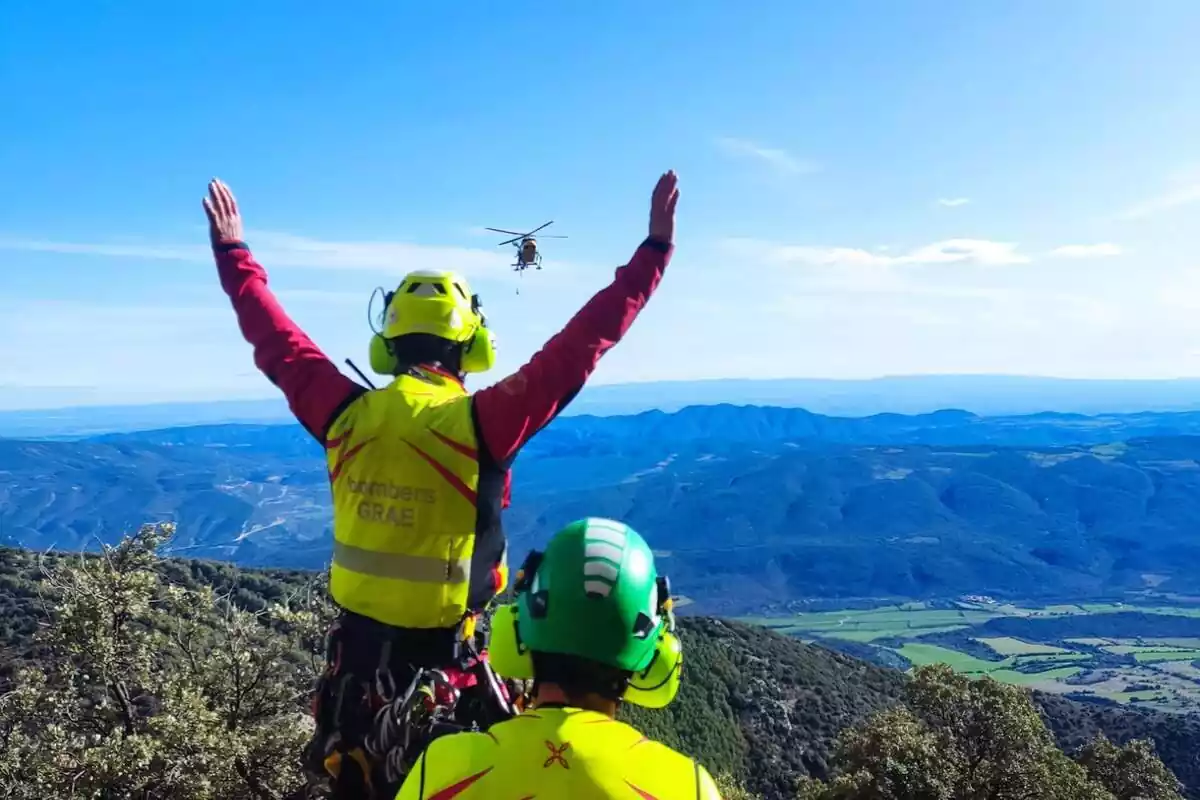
{"x":868,"y":188}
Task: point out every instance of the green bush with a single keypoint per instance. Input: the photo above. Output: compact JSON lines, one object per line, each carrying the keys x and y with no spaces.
{"x":961,"y":738}
{"x":152,"y":689}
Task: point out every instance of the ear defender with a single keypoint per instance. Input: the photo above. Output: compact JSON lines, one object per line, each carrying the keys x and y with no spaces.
{"x":383,"y":362}
{"x":479,"y":353}
{"x":379,"y":353}
{"x":653,"y":687}
{"x":506,"y":654}
{"x":657,"y":685}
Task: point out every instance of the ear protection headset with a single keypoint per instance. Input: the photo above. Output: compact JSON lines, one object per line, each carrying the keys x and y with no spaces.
{"x":655,"y":686}
{"x":479,"y":345}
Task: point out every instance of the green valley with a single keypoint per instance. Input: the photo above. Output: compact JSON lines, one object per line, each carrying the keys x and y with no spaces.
{"x":1104,"y":653}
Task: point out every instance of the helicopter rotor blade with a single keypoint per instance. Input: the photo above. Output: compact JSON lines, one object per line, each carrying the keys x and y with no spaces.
{"x":501,"y":230}
{"x":535,"y":230}
{"x":511,"y":241}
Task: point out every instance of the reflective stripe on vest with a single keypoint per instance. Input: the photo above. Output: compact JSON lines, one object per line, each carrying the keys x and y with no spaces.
{"x":418,"y":569}
{"x":404,"y":471}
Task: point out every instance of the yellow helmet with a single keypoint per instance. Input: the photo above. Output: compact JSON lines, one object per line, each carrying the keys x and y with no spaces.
{"x":439,"y":304}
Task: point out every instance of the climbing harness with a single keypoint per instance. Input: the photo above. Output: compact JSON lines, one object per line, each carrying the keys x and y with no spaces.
{"x":368,"y":754}
{"x":432,"y":706}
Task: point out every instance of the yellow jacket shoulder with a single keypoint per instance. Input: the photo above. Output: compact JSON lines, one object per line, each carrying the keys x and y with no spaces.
{"x":547,"y":753}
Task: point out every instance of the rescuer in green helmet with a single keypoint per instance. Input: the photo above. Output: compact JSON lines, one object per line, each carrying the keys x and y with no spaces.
{"x":592,"y":626}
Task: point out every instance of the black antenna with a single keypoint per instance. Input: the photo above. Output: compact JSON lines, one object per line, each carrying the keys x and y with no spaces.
{"x":354,"y":367}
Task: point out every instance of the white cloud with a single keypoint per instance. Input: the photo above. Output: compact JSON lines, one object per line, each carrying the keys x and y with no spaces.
{"x":978,"y":252}
{"x":832,"y":311}
{"x":949,"y":251}
{"x":161,"y":252}
{"x":301,"y":251}
{"x":88,"y":344}
{"x":1102,"y":250}
{"x":779,"y":159}
{"x":60,"y":351}
{"x":968,"y":251}
{"x":1179,"y":196}
{"x":286,"y":250}
{"x":821,"y":256}
{"x":953,"y":202}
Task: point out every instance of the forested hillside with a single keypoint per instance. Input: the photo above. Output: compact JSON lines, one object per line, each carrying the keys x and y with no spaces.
{"x":756,"y":707}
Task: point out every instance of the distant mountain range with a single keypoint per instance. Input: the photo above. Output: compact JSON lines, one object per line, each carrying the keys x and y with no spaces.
{"x":980,"y":394}
{"x":908,"y":394}
{"x":77,"y":421}
{"x":750,"y":507}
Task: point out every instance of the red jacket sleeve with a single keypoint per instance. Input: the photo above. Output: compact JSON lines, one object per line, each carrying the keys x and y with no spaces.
{"x":315,"y":389}
{"x":517,"y":407}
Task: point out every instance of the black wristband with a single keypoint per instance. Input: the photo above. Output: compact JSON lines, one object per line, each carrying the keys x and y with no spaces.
{"x":225,"y":247}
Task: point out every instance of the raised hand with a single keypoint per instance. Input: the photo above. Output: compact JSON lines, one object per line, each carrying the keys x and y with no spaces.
{"x":662,"y":207}
{"x":224,"y":221}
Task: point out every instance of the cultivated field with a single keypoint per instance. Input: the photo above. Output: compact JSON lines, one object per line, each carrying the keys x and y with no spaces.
{"x":1098,"y":652}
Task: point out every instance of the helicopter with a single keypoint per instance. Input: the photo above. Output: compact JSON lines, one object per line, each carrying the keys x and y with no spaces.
{"x":527,"y":249}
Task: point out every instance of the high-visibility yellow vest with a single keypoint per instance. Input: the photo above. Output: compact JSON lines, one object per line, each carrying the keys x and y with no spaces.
{"x":404,"y":471}
{"x":556,"y":752}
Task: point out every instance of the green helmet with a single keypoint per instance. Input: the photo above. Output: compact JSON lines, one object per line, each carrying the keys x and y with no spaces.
{"x":594,"y":593}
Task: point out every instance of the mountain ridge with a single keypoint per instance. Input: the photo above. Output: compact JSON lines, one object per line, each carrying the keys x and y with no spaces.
{"x":758,"y":507}
{"x":982,"y":394}
{"x":738,"y":421}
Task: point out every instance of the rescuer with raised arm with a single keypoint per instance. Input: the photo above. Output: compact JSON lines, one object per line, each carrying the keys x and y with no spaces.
{"x":419,"y":471}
